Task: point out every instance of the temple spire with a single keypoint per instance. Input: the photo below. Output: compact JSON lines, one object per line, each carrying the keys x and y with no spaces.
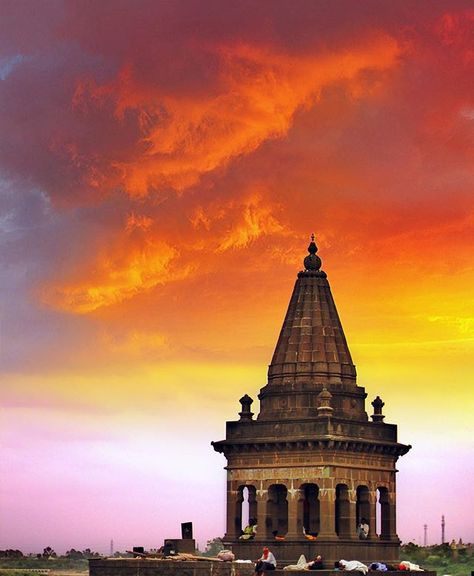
{"x":311,"y":353}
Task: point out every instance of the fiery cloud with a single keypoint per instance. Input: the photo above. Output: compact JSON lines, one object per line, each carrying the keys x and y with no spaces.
{"x":138,"y":260}
{"x":257,"y":220}
{"x":118,"y":277}
{"x":257,"y":94}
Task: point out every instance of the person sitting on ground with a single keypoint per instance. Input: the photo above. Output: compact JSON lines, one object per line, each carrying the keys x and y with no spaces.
{"x":363,"y":529}
{"x":378,"y":566}
{"x":316,"y":564}
{"x":249,"y":531}
{"x":353,"y":566}
{"x":266,"y":562}
{"x":276,"y":536}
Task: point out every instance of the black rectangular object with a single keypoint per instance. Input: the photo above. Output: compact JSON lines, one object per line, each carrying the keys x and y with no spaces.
{"x":187,"y":530}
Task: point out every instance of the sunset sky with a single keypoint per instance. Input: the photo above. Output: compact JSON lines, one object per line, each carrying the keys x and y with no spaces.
{"x":162,"y":166}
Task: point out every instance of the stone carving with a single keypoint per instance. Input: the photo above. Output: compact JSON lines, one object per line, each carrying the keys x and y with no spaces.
{"x":246,"y":402}
{"x":377,"y":416}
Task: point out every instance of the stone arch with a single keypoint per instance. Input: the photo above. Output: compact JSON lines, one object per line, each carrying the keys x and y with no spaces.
{"x":309,"y":509}
{"x":248,"y":504}
{"x":363,"y":505}
{"x":245,"y":506}
{"x":277,"y":510}
{"x":342,"y":512}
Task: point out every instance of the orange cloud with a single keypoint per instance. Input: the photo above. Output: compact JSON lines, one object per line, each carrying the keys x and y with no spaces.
{"x":455,"y":29}
{"x":135,"y":221}
{"x":138,"y":260}
{"x":117,"y":277}
{"x":136,"y":343}
{"x":256,"y":220}
{"x":258,"y":92}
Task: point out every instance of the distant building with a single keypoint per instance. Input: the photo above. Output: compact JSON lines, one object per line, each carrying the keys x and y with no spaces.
{"x":312,"y":467}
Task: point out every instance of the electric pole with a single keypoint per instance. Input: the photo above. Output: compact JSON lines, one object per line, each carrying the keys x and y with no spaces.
{"x":442,"y":529}
{"x":425,"y":526}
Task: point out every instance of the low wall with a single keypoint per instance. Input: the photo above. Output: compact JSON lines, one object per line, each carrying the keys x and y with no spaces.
{"x":288,"y":551}
{"x":154,"y":567}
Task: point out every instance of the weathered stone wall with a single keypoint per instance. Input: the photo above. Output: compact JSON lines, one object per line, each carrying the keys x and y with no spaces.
{"x":311,"y":428}
{"x":288,"y":552}
{"x":151,"y":567}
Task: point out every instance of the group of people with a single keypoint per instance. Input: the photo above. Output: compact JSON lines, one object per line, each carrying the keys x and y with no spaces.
{"x":267,"y":562}
{"x":250,"y":531}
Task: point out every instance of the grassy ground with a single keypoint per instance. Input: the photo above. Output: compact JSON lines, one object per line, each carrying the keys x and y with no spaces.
{"x":56,"y":567}
{"x":440,"y":559}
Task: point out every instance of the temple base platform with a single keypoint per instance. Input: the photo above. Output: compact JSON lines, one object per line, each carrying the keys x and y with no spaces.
{"x":288,"y":551}
{"x":154,"y":567}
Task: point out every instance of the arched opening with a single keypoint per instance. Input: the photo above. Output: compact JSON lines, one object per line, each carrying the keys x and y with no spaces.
{"x":343,"y":528}
{"x":310,"y":509}
{"x":246,"y":508}
{"x":383,"y":513}
{"x":363,"y":507}
{"x":277,"y":511}
{"x":237,"y":511}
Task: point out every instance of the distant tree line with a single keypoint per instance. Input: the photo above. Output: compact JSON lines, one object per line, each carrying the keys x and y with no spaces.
{"x":49,"y":553}
{"x":11,"y":554}
{"x":84,"y":555}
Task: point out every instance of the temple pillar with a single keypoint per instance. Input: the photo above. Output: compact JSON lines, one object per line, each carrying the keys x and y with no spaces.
{"x":262,"y":513}
{"x":372,"y":515}
{"x":392,"y":517}
{"x":234,"y":513}
{"x":352,"y":514}
{"x":295,"y":522}
{"x":252,"y":503}
{"x":344,"y":520}
{"x":327,"y":507}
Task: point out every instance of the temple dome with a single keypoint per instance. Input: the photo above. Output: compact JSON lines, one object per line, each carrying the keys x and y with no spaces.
{"x":311,"y":353}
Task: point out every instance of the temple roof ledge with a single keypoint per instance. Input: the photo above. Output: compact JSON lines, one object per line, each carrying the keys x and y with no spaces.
{"x":312,"y":274}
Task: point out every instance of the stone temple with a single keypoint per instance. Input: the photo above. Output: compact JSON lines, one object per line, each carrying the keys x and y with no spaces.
{"x":312,"y":462}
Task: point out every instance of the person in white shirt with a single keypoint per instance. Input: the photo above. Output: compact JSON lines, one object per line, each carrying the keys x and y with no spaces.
{"x":363,"y":529}
{"x":353,"y":566}
{"x":266,"y":562}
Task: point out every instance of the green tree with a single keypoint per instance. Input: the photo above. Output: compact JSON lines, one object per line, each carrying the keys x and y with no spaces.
{"x":74,"y":554}
{"x":48,"y":552}
{"x":213,"y":547}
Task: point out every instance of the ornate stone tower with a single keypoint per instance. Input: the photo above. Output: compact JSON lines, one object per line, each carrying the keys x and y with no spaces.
{"x":312,"y":463}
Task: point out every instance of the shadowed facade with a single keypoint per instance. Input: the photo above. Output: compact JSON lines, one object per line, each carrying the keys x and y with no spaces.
{"x":312,"y":465}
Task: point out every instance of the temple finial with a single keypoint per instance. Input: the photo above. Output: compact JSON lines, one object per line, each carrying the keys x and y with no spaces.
{"x":312,"y":262}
